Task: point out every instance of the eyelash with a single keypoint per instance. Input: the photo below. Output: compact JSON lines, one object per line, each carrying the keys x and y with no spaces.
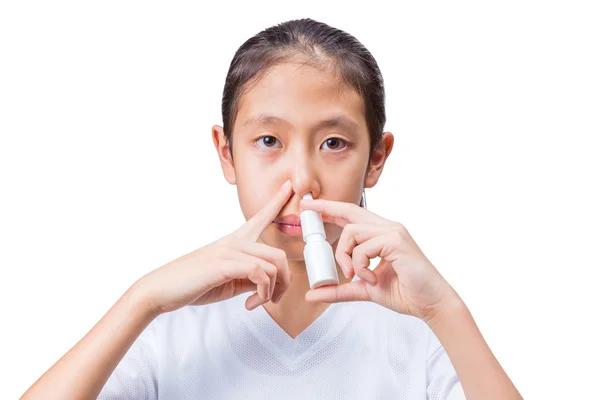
{"x":345,"y":143}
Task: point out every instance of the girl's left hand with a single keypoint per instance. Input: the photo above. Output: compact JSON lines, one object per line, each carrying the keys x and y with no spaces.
{"x":404,"y":280}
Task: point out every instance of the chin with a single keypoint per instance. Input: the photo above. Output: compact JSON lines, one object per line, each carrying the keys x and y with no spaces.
{"x":293,"y":246}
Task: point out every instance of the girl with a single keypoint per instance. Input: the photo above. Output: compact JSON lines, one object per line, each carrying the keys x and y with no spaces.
{"x":303,"y":112}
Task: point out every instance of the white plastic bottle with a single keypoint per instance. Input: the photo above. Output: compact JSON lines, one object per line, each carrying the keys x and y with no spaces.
{"x":318,"y":253}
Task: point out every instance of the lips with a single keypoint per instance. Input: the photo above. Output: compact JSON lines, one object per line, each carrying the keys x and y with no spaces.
{"x":289,"y":225}
{"x":290,"y":219}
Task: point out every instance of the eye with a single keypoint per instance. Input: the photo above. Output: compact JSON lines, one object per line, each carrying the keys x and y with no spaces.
{"x":334,"y":144}
{"x":267,"y":142}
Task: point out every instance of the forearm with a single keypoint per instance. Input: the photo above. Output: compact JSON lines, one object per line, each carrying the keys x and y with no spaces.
{"x":82,"y":372}
{"x":478,"y":370}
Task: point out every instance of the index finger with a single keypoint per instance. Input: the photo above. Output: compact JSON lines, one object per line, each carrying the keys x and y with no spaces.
{"x":348,"y":212}
{"x":262,"y":219}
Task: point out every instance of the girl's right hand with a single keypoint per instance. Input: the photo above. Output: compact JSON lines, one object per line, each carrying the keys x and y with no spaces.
{"x":232,"y":265}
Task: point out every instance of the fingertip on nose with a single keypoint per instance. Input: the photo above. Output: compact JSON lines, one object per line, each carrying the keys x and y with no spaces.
{"x":286,"y":185}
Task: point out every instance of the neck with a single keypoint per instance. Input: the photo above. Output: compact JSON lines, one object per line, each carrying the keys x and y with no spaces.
{"x":293,"y":314}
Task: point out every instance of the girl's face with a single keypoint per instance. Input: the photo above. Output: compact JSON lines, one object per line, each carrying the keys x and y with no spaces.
{"x":299,"y":123}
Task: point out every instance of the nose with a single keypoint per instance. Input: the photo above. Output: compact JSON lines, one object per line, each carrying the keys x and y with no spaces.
{"x":304,"y":175}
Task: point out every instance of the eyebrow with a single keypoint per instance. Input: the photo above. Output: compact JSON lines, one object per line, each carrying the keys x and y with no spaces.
{"x":264,"y":119}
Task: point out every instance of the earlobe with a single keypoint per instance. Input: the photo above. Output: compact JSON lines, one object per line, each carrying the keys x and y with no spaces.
{"x":223,"y":148}
{"x":378,"y":159}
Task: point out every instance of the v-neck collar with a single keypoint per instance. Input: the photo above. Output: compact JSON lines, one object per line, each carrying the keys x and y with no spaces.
{"x":293,"y":351}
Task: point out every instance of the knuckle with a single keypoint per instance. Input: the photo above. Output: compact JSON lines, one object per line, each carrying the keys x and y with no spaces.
{"x":284,"y":286}
{"x":402,"y":229}
{"x":350,"y":228}
{"x":344,"y":235}
{"x":255,"y":269}
{"x":398,"y":238}
{"x":281,"y":256}
{"x":271,"y":269}
{"x":287,"y":278}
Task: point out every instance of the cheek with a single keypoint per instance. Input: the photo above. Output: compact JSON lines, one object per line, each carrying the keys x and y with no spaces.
{"x":346,"y":184}
{"x":254,"y":187}
{"x":249,"y":194}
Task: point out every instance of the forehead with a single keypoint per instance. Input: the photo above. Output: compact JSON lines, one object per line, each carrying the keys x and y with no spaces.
{"x":301,"y":96}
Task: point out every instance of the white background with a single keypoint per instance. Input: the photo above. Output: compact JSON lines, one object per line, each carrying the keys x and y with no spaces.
{"x":107,"y":169}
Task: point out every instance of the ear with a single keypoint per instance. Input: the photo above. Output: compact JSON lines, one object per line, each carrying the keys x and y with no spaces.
{"x":378,"y":158}
{"x":223,"y":148}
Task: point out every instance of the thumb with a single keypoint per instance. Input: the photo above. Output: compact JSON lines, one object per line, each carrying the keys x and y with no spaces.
{"x":351,"y":291}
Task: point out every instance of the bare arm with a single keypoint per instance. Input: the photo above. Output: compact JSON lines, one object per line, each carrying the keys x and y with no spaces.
{"x":221,"y":270}
{"x":478,"y":370}
{"x":97,"y":354}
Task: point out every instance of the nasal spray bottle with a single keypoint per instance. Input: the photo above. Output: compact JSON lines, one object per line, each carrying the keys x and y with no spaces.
{"x":318,"y":254}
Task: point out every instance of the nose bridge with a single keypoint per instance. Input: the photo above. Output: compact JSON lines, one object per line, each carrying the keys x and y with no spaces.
{"x":303,"y":171}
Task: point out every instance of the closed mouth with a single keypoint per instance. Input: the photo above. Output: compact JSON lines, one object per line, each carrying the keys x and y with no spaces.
{"x":290,"y":219}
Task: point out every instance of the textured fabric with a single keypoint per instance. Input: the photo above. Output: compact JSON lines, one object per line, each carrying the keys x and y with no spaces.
{"x":356,"y":350}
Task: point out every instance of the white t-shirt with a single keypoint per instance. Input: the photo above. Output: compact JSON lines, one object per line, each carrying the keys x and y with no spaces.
{"x":355,"y":350}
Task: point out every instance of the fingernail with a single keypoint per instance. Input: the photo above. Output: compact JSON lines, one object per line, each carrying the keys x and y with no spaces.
{"x":345,"y":273}
{"x":348,"y":271}
{"x":253,"y":303}
{"x":286,"y":185}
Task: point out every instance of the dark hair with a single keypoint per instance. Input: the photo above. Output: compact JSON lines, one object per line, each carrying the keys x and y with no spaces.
{"x":318,"y":44}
